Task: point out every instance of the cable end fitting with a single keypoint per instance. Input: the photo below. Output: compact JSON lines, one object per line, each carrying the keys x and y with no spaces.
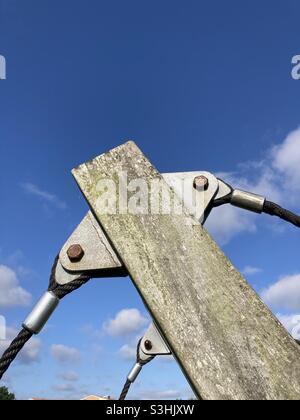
{"x":41,"y":313}
{"x":248,"y":201}
{"x":134,"y":372}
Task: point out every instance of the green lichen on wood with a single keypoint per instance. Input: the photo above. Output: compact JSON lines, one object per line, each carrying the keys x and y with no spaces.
{"x":226,"y":340}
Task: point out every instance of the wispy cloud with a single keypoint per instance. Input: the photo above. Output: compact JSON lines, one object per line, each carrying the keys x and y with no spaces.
{"x":64,"y":387}
{"x":11,"y":293}
{"x":64,"y":354}
{"x":292,"y":323}
{"x":43,"y":195}
{"x":17,"y":261}
{"x":30,"y":352}
{"x":128,"y":352}
{"x":69,"y":376}
{"x":169,"y":394}
{"x":126,"y":322}
{"x":277,"y":177}
{"x":251,"y":271}
{"x":284,"y":294}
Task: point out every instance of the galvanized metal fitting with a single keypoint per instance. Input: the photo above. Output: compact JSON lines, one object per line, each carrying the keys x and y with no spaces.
{"x":134,"y":373}
{"x":248,"y":201}
{"x":41,"y":313}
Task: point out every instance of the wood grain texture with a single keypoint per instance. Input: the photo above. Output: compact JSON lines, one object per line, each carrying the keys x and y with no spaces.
{"x":227,"y":342}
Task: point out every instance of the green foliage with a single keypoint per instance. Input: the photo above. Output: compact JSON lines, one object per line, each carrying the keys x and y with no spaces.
{"x":5,"y":395}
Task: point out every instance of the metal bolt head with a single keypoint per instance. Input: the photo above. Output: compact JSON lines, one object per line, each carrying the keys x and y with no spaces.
{"x":75,"y":253}
{"x":148,"y":345}
{"x":201,"y":183}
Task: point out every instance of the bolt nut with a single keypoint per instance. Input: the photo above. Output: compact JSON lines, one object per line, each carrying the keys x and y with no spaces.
{"x":201,"y":183}
{"x":75,"y":253}
{"x":148,"y":345}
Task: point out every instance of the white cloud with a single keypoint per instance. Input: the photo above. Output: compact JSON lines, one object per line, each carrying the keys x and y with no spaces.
{"x":30,"y":352}
{"x":69,"y":376}
{"x":64,"y":354}
{"x":65,"y":387}
{"x":45,"y":196}
{"x":128,"y":352}
{"x":286,"y":159}
{"x":291,"y":323}
{"x":226,"y":222}
{"x":285,"y":294}
{"x":277,"y":177}
{"x":251,"y":271}
{"x":70,"y":391}
{"x":126,"y":322}
{"x":16,"y":262}
{"x":169,"y":394}
{"x":11,"y":293}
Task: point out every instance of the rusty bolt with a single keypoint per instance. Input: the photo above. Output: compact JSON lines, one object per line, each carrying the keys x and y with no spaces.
{"x":201,"y":183}
{"x":75,"y":253}
{"x":148,"y":345}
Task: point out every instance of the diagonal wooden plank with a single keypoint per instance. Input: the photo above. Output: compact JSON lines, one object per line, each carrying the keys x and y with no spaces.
{"x":225,"y":339}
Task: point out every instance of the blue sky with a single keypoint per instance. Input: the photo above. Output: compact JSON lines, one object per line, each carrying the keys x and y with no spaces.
{"x":199,"y":85}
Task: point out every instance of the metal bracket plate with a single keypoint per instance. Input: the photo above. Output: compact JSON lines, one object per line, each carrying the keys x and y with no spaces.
{"x":99,"y":256}
{"x":98,"y":253}
{"x":153,"y":344}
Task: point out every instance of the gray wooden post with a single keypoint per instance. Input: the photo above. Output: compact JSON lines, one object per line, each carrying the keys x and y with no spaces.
{"x":227,"y":342}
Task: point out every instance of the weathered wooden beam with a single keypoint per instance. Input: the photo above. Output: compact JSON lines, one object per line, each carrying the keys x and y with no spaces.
{"x":228,"y":343}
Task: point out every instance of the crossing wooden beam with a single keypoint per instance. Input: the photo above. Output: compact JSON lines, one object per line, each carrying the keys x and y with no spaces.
{"x":227,"y":342}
